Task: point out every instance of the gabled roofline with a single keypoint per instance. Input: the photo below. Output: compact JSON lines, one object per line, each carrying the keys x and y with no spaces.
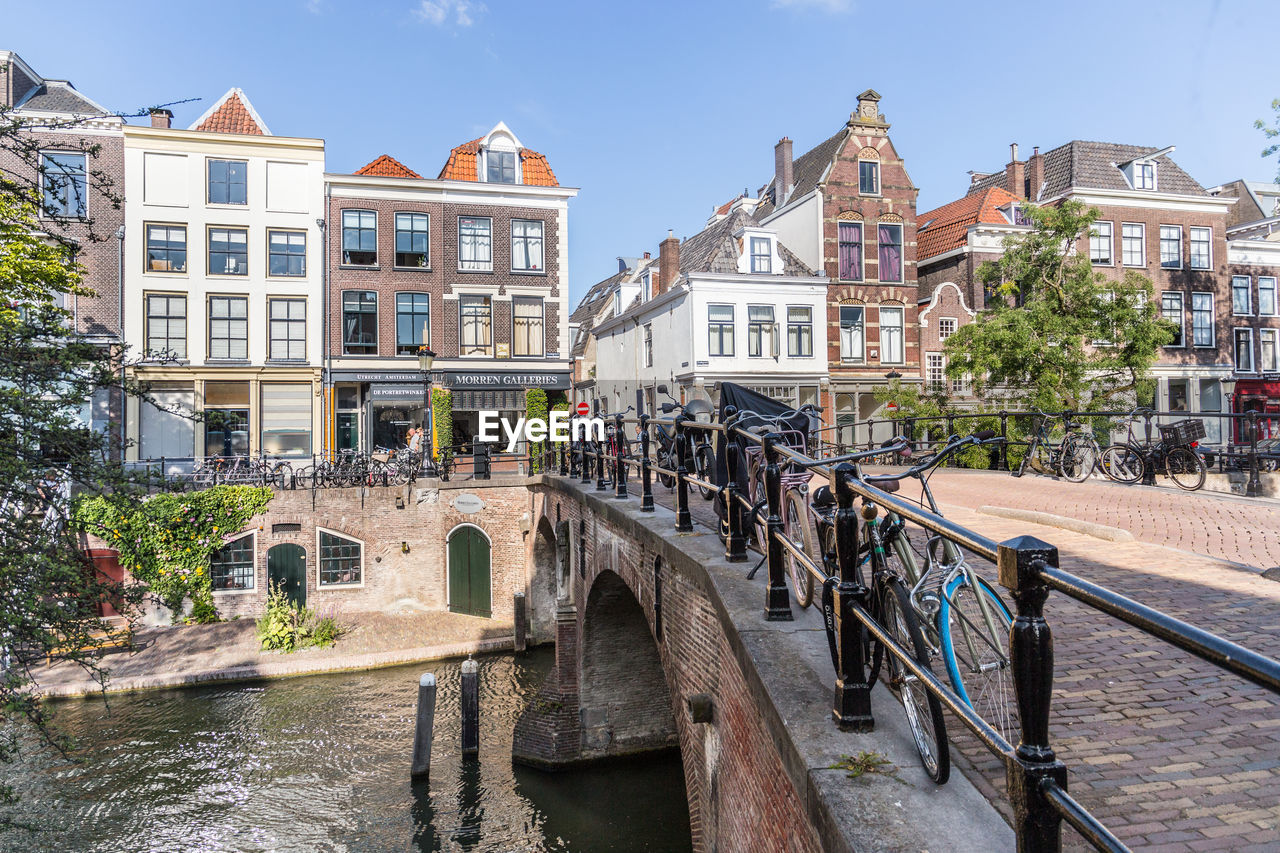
{"x":248,"y":105}
{"x":11,"y":56}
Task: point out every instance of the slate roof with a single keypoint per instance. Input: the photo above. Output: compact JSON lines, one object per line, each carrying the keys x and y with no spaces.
{"x":945,"y":228}
{"x":387,"y":166}
{"x":462,"y":166}
{"x":586,"y":311}
{"x":1094,"y":165}
{"x":232,"y":113}
{"x":714,"y":249}
{"x":59,"y":96}
{"x":807,"y":171}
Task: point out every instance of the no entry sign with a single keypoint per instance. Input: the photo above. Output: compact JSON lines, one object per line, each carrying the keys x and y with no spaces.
{"x":583,"y":408}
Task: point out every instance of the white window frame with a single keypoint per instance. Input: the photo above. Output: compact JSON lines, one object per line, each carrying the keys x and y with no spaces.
{"x":1235,"y":350}
{"x":761,"y":250}
{"x":939,"y":384}
{"x":542,"y":325}
{"x":542,"y":244}
{"x":1191,"y":261}
{"x":1139,"y":170}
{"x":319,"y":559}
{"x":1142,"y":243}
{"x":648,"y":345}
{"x":491,"y":347}
{"x":489,"y":266}
{"x":853,"y":358}
{"x":1248,"y":291}
{"x":253,"y":587}
{"x":800,"y":325}
{"x":767,"y":330}
{"x":901,"y":326}
{"x":1182,"y":316}
{"x":955,"y":325}
{"x":1274,"y":336}
{"x":1274,"y":288}
{"x":1177,"y":264}
{"x":733,"y":331}
{"x":81,"y":217}
{"x":1213,"y":320}
{"x":1096,"y":240}
{"x":271,"y":339}
{"x":879,"y":178}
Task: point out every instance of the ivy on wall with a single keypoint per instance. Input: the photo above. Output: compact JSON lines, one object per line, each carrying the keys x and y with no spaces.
{"x":442,"y":415}
{"x":535,"y":406}
{"x":166,"y":540}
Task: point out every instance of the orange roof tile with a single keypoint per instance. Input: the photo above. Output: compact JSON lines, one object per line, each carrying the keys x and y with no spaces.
{"x":387,"y":166}
{"x":463,"y":160}
{"x":233,"y":114}
{"x":945,"y":228}
{"x":537,"y":171}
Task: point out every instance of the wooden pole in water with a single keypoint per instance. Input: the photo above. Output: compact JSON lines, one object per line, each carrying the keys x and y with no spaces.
{"x":421,"y":767}
{"x":470,"y":709}
{"x":521,"y":623}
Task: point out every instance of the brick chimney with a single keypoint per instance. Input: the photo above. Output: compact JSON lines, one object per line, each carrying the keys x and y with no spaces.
{"x":160,"y":117}
{"x":1035,"y":174}
{"x":1014,"y":174}
{"x":668,"y":263}
{"x":782,"y":172}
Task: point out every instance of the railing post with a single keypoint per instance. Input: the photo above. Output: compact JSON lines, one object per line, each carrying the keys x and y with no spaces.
{"x":1004,"y":445}
{"x":602,"y":482}
{"x":1148,"y":467}
{"x":1036,"y":824}
{"x":583,"y":444}
{"x":735,"y":544}
{"x":620,"y":458}
{"x":562,"y":447}
{"x":646,"y":476}
{"x":852,"y":707}
{"x":684,"y":521}
{"x":871,"y":433}
{"x":777,"y":601}
{"x":1254,"y":486}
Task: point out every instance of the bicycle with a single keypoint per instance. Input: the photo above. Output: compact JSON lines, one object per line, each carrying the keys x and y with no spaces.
{"x":1073,"y":459}
{"x":702,"y":453}
{"x":1173,"y":455}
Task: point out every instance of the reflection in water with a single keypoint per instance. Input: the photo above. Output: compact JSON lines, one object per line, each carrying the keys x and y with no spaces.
{"x":322,"y":763}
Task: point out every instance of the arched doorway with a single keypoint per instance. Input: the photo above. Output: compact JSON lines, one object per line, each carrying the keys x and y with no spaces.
{"x":543,"y":581}
{"x":287,"y":566}
{"x":470,"y":577}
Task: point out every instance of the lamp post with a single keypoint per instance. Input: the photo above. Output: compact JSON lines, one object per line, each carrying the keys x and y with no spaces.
{"x":425,"y":359}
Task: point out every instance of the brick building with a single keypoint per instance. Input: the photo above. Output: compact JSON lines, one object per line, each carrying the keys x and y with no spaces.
{"x":848,"y":207}
{"x":472,"y":264}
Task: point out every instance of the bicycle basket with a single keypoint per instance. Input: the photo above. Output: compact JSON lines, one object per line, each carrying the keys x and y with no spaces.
{"x":1182,"y":432}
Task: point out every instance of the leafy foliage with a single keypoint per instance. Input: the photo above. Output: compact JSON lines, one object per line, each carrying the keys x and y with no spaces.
{"x":922,"y":417}
{"x":442,"y":414}
{"x":286,"y":627}
{"x":1272,"y":132}
{"x":535,"y":406}
{"x":166,"y":540}
{"x":1057,"y":334}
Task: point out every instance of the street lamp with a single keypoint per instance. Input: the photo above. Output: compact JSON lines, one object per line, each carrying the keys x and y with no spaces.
{"x":425,"y":359}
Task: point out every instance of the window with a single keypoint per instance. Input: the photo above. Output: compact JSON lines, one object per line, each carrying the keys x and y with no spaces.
{"x":1267,"y":295}
{"x":526,"y":325}
{"x":286,"y":418}
{"x":1267,"y":350}
{"x":1201,"y":248}
{"x":231,"y":566}
{"x":287,"y":253}
{"x":1244,"y":350}
{"x":648,"y":345}
{"x":1202,"y":319}
{"x":287,"y":329}
{"x":1144,"y":176}
{"x":1241,"y":295}
{"x":1171,"y":310}
{"x":1101,"y":242}
{"x":228,"y":251}
{"x":475,"y":313}
{"x":166,"y":248}
{"x":526,"y":245}
{"x":359,"y":237}
{"x":720,"y":329}
{"x":502,"y":167}
{"x":167,"y":325}
{"x":229,"y":327}
{"x":1133,"y":244}
{"x":165,"y":423}
{"x":946,"y":328}
{"x":759,"y":331}
{"x":475,"y":243}
{"x":228,"y":182}
{"x":852,"y":333}
{"x":850,"y":251}
{"x":413,"y":232}
{"x":761,"y":255}
{"x":413,"y":322}
{"x":890,"y":237}
{"x":1171,"y":247}
{"x":64,"y":184}
{"x":891,"y":335}
{"x":359,"y":322}
{"x":868,"y":177}
{"x":799,"y":331}
{"x":935,"y":371}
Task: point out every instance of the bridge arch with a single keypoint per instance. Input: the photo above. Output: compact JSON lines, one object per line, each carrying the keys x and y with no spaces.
{"x":543,"y":581}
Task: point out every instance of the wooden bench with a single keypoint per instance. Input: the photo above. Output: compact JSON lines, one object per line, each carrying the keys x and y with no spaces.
{"x":118,"y":634}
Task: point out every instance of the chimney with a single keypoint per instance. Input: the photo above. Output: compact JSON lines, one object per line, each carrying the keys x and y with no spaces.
{"x":668,"y":263}
{"x":782,"y":171}
{"x":1014,"y":174}
{"x":646,"y":256}
{"x":1035,"y":174}
{"x":160,"y":117}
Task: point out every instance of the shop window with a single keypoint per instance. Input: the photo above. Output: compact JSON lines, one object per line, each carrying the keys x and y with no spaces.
{"x":232,"y":565}
{"x":286,"y":418}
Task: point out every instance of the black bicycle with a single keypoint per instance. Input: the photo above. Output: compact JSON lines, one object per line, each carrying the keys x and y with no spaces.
{"x":1173,"y":455}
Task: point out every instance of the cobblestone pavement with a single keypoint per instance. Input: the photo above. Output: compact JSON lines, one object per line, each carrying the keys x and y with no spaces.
{"x":1166,"y":750}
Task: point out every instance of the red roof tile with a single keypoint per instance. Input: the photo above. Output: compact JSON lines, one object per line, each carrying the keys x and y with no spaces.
{"x":387,"y":166}
{"x":463,"y":160}
{"x":945,"y":228}
{"x":233,"y":115}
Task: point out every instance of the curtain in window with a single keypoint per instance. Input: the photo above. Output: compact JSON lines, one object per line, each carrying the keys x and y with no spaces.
{"x":851,"y":250}
{"x":890,"y":237}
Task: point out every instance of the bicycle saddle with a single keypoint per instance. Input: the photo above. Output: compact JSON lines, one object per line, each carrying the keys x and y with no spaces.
{"x":822,"y":497}
{"x":886,"y":482}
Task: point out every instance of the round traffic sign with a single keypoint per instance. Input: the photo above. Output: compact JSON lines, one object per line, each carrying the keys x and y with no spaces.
{"x":583,"y":408}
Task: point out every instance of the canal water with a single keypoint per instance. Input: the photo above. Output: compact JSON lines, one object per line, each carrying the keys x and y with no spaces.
{"x":321,"y":763}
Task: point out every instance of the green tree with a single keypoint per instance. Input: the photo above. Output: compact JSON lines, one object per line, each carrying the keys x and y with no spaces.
{"x":1058,"y":334}
{"x":1272,"y":132}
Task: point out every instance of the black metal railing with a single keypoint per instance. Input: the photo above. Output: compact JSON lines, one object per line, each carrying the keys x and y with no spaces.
{"x":1027,"y":567}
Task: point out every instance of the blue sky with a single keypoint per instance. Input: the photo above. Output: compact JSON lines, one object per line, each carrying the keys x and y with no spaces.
{"x":659,"y":111}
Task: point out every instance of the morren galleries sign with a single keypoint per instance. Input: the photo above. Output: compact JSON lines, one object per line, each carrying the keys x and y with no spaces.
{"x":461,"y":379}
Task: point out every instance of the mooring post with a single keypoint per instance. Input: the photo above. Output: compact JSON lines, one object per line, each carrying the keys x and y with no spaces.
{"x":425,"y":727}
{"x":684,"y":521}
{"x":470,"y":709}
{"x":1037,"y":825}
{"x":521,"y":620}
{"x":646,"y":475}
{"x":778,"y":601}
{"x":852,"y":708}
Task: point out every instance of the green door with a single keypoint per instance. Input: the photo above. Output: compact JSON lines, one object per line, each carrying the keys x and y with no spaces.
{"x":469,"y":572}
{"x":287,"y":566}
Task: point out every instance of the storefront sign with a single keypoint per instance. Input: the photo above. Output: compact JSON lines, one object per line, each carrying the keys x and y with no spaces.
{"x":378,"y":376}
{"x":468,"y":503}
{"x":459,"y":379}
{"x":410,"y":393}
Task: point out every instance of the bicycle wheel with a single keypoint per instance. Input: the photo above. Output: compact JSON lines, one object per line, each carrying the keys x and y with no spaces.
{"x":1122,"y":463}
{"x":797,"y":522}
{"x":1077,"y":458}
{"x":1186,"y":468}
{"x":704,"y":463}
{"x":975,"y":650}
{"x":924,"y":711}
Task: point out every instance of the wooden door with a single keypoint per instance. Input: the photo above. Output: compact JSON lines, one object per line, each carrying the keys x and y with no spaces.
{"x":287,"y":566}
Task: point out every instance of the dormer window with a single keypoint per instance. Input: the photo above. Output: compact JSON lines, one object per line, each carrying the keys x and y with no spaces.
{"x":501,"y":167}
{"x":1144,"y":176}
{"x":1016,"y":214}
{"x":761,"y":255}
